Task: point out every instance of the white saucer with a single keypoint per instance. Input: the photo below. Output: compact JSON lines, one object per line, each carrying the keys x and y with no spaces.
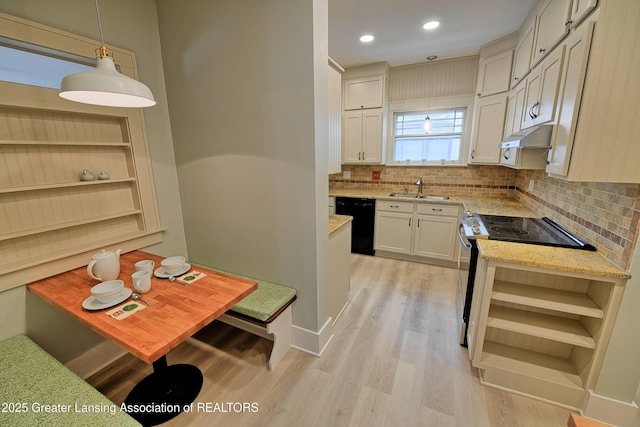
{"x":92,"y":302}
{"x":162,"y":273}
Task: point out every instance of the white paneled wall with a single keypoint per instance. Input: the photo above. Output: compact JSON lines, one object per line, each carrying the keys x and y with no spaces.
{"x":455,"y":77}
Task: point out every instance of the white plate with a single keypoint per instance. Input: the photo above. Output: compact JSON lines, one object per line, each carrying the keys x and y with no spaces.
{"x":162,"y":273}
{"x":92,"y":302}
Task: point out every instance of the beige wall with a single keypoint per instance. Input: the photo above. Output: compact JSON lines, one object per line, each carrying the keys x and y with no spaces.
{"x":247,"y":88}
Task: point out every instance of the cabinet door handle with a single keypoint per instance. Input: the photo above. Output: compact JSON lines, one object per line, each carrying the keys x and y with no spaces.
{"x":435,"y":210}
{"x":506,"y":153}
{"x":473,"y":153}
{"x":479,"y":94}
{"x":546,"y":154}
{"x":410,"y":222}
{"x":515,"y":78}
{"x":531,"y":113}
{"x":418,"y":222}
{"x":394,"y":206}
{"x":542,"y":50}
{"x":569,"y":22}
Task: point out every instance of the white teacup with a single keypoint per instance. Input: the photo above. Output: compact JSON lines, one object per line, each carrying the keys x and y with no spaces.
{"x":141,"y":281}
{"x":173,"y":264}
{"x":145,"y":265}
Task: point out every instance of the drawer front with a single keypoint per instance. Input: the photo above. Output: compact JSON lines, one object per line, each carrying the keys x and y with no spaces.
{"x":437,"y":209}
{"x":393,"y":206}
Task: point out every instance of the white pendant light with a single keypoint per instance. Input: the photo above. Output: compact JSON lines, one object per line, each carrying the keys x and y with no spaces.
{"x":104,"y":85}
{"x":427,"y":120}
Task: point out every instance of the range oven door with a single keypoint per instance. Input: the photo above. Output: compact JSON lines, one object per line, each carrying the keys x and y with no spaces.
{"x":463,"y":278}
{"x":466,"y":276}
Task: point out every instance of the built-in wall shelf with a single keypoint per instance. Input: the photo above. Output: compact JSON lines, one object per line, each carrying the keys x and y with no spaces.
{"x":556,"y":370}
{"x":65,"y":185}
{"x":550,"y":327}
{"x":541,"y":332}
{"x":67,"y":143}
{"x":68,"y":224}
{"x":50,"y":219}
{"x":546,"y":298}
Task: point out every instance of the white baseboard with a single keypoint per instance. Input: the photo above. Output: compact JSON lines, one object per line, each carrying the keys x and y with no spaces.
{"x":312,"y":342}
{"x":98,"y":357}
{"x":610,"y":410}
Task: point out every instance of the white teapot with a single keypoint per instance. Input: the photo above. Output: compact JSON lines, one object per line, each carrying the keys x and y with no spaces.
{"x":105,"y":265}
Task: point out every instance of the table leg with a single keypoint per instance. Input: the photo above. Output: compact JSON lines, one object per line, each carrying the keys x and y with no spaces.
{"x":163,"y":394}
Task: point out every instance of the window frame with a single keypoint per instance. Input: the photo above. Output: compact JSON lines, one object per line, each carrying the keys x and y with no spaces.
{"x":431,"y":106}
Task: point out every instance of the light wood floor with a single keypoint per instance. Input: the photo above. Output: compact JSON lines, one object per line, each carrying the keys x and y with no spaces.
{"x":394,"y":361}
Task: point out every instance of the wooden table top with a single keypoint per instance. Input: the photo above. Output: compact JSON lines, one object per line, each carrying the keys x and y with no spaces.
{"x":176,"y":313}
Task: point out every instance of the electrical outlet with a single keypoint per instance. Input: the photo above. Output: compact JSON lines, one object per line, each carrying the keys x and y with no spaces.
{"x":375,"y":175}
{"x":346,"y":174}
{"x":531,"y":182}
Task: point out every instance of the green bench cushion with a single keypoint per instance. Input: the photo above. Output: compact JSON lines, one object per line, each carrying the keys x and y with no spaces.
{"x":265,"y":301}
{"x":29,"y":375}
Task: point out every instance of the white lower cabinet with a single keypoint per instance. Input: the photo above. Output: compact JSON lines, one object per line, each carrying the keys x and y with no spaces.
{"x":541,"y":332}
{"x":435,"y":233}
{"x":393,"y":230}
{"x":421,"y":229}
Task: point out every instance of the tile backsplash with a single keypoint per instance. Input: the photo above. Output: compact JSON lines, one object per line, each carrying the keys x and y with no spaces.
{"x":439,"y":181}
{"x":605,"y":215}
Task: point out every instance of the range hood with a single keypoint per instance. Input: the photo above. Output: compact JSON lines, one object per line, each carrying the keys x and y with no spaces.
{"x":533,"y":137}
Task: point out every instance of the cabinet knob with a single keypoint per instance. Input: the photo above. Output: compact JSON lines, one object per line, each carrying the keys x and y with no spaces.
{"x":479,"y":94}
{"x":542,"y":50}
{"x":515,"y":78}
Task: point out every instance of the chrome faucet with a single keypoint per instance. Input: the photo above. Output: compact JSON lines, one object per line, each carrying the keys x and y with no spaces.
{"x":419,"y":184}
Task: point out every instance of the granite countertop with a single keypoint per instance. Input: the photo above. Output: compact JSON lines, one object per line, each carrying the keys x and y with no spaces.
{"x":560,"y":259}
{"x":338,"y":222}
{"x":484,"y":205}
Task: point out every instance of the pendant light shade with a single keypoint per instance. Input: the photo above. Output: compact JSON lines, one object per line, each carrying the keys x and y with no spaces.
{"x":427,"y":124}
{"x":104,"y":85}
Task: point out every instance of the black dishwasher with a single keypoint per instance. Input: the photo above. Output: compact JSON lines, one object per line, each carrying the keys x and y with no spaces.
{"x":363,"y":212}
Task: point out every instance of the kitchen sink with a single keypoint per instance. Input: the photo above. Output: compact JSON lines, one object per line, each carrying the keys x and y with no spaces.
{"x":404,"y":195}
{"x":418,"y":196}
{"x":434,"y":197}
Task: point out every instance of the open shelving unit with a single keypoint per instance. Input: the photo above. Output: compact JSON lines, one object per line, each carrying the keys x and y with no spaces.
{"x":542,"y":333}
{"x":48,"y":215}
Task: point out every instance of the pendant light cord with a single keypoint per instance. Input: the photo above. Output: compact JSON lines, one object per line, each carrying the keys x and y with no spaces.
{"x":99,"y":23}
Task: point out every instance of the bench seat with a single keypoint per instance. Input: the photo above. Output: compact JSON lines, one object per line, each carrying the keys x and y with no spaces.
{"x":31,"y":377}
{"x":265,"y":312}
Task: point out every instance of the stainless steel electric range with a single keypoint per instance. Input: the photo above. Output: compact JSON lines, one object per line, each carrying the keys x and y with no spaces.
{"x":473,"y":226}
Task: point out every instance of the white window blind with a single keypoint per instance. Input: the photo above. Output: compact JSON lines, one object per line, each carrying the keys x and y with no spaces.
{"x":442,"y":145}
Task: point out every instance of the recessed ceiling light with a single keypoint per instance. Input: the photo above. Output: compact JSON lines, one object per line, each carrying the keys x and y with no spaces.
{"x":366,"y":38}
{"x":431,"y":25}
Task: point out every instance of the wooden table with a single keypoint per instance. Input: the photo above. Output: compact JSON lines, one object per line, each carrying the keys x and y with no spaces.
{"x":176,"y":313}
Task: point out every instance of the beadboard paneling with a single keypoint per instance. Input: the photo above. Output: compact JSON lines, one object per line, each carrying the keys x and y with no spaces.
{"x":453,"y":77}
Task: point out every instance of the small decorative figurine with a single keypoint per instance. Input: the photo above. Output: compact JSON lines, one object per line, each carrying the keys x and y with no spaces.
{"x":87,"y":175}
{"x":103,"y":175}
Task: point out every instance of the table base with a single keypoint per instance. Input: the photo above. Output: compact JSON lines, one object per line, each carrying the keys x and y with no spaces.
{"x":163,"y":394}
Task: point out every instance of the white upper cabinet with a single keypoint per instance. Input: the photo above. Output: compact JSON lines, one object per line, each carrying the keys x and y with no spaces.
{"x":577,"y":55}
{"x":335,"y":118}
{"x":601,"y":130}
{"x":580,"y":10}
{"x":494,"y":74}
{"x":515,"y":109}
{"x":522,"y":56}
{"x":542,"y":90}
{"x":363,"y":92}
{"x":362,"y":136}
{"x":552,"y":26}
{"x":488,"y":125}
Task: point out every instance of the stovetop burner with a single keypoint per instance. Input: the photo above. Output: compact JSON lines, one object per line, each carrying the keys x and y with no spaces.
{"x":511,"y":231}
{"x":538,"y":231}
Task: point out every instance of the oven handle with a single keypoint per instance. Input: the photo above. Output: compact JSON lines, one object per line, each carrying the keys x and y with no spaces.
{"x":462,"y":237}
